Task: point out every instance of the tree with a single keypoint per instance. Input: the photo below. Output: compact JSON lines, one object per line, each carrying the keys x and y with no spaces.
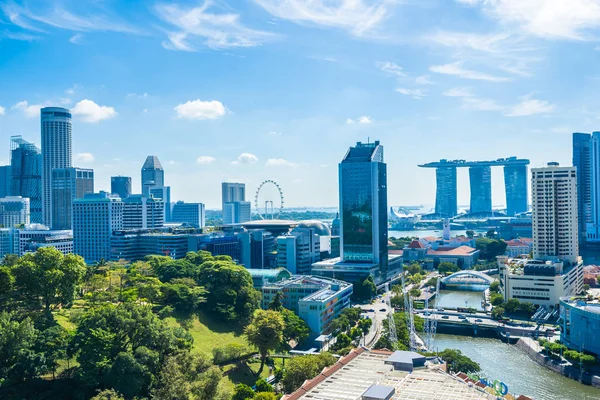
{"x":49,"y":276}
{"x":365,"y":325}
{"x":301,"y":368}
{"x":456,"y":362}
{"x":263,"y":386}
{"x":339,"y":324}
{"x":242,"y":392}
{"x":527,"y":308}
{"x":512,"y":305}
{"x":489,"y":248}
{"x":18,"y":360}
{"x":470,"y":234}
{"x":497,"y":313}
{"x":343,"y":340}
{"x":183,"y":294}
{"x":447,"y":267}
{"x":495,"y":287}
{"x":295,"y":328}
{"x":414,"y":292}
{"x":586,"y":288}
{"x":53,"y":343}
{"x":397,"y":301}
{"x":276,"y":304}
{"x":414,"y":268}
{"x":108,"y":394}
{"x":496,"y":299}
{"x":265,"y":396}
{"x":491,"y":234}
{"x":364,"y":289}
{"x":265,"y":332}
{"x":353,"y":314}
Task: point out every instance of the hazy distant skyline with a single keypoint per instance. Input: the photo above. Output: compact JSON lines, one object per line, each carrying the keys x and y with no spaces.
{"x":233,"y":90}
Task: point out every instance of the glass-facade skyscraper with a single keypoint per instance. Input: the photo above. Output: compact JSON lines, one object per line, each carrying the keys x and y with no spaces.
{"x":68,"y":184}
{"x":121,"y":186}
{"x":582,"y":160}
{"x":515,"y":184}
{"x":363,"y":205}
{"x":26,"y":170}
{"x":446,"y":203}
{"x":153,"y":174}
{"x":56,"y":151}
{"x":480,"y":179}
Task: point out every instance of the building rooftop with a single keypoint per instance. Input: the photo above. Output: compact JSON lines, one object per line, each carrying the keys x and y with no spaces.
{"x":519,"y":242}
{"x":464,"y":163}
{"x":354,"y":375}
{"x":415,"y":244}
{"x":152,"y":162}
{"x":269,"y":273}
{"x":320,"y":227}
{"x":453,"y":251}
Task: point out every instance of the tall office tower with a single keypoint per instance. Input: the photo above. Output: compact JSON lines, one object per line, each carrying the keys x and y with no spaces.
{"x":363,"y":204}
{"x":188,"y":213}
{"x":446,"y":203}
{"x":480,"y":179}
{"x":163,"y":193}
{"x":554,"y":212}
{"x":232,"y":192}
{"x":153,"y":174}
{"x":515,"y":184}
{"x":5,"y":180}
{"x":95,"y":218}
{"x":14,"y":210}
{"x":141,"y":212}
{"x":236,"y":212}
{"x":56,"y":151}
{"x":26,"y":169}
{"x":68,"y":184}
{"x":591,"y":185}
{"x":120,"y":186}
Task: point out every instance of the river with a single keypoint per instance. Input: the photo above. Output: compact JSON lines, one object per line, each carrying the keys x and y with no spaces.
{"x":510,"y":365}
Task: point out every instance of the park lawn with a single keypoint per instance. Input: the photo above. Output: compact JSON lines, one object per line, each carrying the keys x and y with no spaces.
{"x":207,"y":332}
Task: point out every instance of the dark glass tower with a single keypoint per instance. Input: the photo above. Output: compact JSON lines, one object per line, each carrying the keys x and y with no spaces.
{"x":26,"y":169}
{"x":480,"y":179}
{"x":153,"y":174}
{"x":121,"y":186}
{"x":446,"y":203}
{"x":68,"y":184}
{"x":582,"y":160}
{"x":515,"y":184}
{"x":363,"y":204}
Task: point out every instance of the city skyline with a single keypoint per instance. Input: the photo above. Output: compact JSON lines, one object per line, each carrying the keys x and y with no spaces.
{"x":289,"y":91}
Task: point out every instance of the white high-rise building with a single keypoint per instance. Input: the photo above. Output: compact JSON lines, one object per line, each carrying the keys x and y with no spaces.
{"x":56,"y":151}
{"x":554,"y":213}
{"x":232,"y":192}
{"x":141,"y":212}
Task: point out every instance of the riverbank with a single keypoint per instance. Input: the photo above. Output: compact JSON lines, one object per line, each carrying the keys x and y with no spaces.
{"x":533,"y":349}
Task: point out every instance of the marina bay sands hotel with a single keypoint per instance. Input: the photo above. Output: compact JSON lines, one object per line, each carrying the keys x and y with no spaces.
{"x":480,"y":177}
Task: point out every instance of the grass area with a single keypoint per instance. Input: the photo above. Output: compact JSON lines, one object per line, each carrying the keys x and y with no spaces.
{"x":207,"y":333}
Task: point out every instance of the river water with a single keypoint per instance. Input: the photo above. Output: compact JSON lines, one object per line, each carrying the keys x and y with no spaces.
{"x":510,"y":365}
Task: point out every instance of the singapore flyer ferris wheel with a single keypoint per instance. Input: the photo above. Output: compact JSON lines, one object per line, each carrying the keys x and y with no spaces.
{"x":268,"y":200}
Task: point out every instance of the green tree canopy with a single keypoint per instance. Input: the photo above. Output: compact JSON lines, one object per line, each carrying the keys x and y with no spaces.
{"x":364,"y":289}
{"x":299,"y":369}
{"x":242,"y":392}
{"x":265,"y":332}
{"x":295,"y":328}
{"x":490,"y":248}
{"x":456,"y":362}
{"x":447,"y":267}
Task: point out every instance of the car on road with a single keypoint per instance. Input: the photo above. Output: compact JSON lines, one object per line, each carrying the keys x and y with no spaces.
{"x":440,"y":309}
{"x":478,"y":320}
{"x":370,"y":310}
{"x":383,"y":309}
{"x":462,"y":317}
{"x":445,"y":317}
{"x":426,"y":313}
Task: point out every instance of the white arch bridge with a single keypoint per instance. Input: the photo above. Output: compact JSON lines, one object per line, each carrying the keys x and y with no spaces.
{"x":467,"y":277}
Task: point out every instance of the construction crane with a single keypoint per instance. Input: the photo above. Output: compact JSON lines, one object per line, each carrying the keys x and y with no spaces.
{"x":410,"y":321}
{"x":390,"y":317}
{"x":431,"y":322}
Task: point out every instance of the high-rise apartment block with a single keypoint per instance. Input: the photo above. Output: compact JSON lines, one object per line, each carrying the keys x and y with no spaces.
{"x":120,"y":186}
{"x":363,"y":204}
{"x":232,"y":192}
{"x":95,"y":217}
{"x":189,"y":213}
{"x":153,"y":174}
{"x":141,"y":212}
{"x":26,"y":169}
{"x":56,"y":151}
{"x":14,"y":210}
{"x":554,"y":213}
{"x":68,"y":184}
{"x":5,"y":180}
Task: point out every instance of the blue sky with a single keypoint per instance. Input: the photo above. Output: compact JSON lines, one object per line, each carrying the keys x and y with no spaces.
{"x":248,"y":90}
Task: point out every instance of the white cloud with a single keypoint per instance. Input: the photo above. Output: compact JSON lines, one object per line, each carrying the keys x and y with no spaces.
{"x":561,"y":129}
{"x":198,"y":109}
{"x":205,"y":160}
{"x":414,"y":93}
{"x":91,"y":112}
{"x":458,"y":92}
{"x":197,"y":27}
{"x":390,"y":68}
{"x":530,"y":107}
{"x":274,"y":133}
{"x":84,"y":157}
{"x":423,"y":80}
{"x":456,"y":69}
{"x":565,"y":19}
{"x":324,"y":165}
{"x":474,"y":103}
{"x":2,"y":110}
{"x":246,"y":158}
{"x":138,"y":96}
{"x":359,"y":17}
{"x":279,"y":162}
{"x":71,"y":91}
{"x":30,"y":110}
{"x":76,"y":38}
{"x":360,"y":120}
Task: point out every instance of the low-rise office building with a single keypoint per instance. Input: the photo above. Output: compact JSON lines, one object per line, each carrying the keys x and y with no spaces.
{"x":542,"y":283}
{"x":35,"y":236}
{"x":189,"y":213}
{"x":352,"y":271}
{"x":315,"y":300}
{"x":580,"y":322}
{"x":137,"y":244}
{"x":519,"y":247}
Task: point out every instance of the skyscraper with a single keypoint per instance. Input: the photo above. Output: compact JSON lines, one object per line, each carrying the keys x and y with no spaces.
{"x":68,"y":184}
{"x":236,"y":212}
{"x":141,"y":212}
{"x":5,"y":180}
{"x":590,"y":179}
{"x":232,"y":192}
{"x":153,"y":174}
{"x":554,"y":213}
{"x":95,"y":218}
{"x":446,"y":203}
{"x":515,"y":184}
{"x":121,"y":186}
{"x":363,"y":204}
{"x":481,"y":189}
{"x":163,"y":193}
{"x":56,"y":151}
{"x":26,"y":169}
